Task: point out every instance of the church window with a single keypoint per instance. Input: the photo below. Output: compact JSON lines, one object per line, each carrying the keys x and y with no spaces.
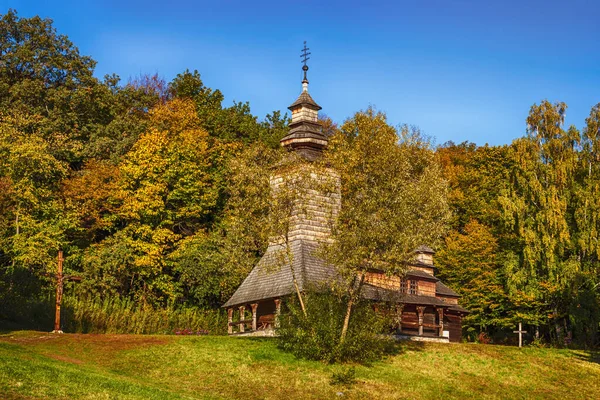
{"x":403,"y":286}
{"x":413,"y":287}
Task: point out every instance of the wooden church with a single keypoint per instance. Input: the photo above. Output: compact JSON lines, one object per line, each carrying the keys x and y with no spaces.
{"x":427,"y":309}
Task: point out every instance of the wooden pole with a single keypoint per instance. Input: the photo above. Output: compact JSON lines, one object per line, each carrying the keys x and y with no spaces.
{"x":277,"y":312}
{"x":441,"y":318}
{"x":420,"y":311}
{"x":59,"y":293}
{"x":242,"y":316}
{"x":229,"y":321}
{"x":254,"y":307}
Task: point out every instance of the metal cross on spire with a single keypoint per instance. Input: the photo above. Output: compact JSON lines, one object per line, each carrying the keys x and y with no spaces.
{"x":305,"y":57}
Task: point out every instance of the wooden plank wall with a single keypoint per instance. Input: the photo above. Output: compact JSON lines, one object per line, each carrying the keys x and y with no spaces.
{"x":453,"y":323}
{"x":427,"y":288}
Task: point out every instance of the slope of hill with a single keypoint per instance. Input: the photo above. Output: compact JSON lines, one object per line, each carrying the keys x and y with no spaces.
{"x":40,"y":365}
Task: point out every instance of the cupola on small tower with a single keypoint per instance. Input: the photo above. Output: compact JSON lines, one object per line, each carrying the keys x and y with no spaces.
{"x":306,"y":136}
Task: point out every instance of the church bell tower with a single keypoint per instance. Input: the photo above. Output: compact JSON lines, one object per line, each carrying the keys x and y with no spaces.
{"x":306,"y":135}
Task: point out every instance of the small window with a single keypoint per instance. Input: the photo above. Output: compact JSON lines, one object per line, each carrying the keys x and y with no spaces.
{"x":403,"y":286}
{"x":413,"y":287}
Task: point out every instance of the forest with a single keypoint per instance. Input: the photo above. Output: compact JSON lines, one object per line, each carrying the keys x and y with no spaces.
{"x":157,"y":194}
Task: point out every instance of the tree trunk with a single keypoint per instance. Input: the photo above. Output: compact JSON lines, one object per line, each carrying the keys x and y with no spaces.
{"x":299,"y":296}
{"x":354,"y":292}
{"x":17,"y":230}
{"x":290,"y":261}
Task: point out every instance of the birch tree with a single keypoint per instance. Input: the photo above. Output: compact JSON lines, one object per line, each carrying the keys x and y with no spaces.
{"x":537,"y":208}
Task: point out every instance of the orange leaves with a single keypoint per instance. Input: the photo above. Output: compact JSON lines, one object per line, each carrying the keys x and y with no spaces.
{"x":95,"y":195}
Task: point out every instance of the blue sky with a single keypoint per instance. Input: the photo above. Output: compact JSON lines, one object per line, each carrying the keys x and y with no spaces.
{"x":460,"y":70}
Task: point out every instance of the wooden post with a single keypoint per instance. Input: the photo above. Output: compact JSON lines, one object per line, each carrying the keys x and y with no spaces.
{"x":440,"y":312}
{"x":420,"y":311}
{"x":242,"y":312}
{"x":60,"y":279}
{"x":254,"y":307}
{"x":399,"y":318}
{"x":277,"y":311}
{"x":520,"y":332}
{"x":59,"y":293}
{"x":229,"y":321}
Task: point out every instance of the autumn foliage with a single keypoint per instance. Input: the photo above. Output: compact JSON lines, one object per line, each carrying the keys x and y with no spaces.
{"x":158,"y":194}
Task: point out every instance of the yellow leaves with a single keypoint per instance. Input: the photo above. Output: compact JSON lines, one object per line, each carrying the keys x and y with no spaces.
{"x":175,"y":116}
{"x":167,"y":173}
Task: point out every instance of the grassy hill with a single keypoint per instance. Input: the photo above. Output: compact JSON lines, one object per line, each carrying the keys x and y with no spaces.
{"x":41,"y":365}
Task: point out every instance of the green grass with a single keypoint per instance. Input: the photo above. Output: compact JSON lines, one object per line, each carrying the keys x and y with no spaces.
{"x":41,"y":365}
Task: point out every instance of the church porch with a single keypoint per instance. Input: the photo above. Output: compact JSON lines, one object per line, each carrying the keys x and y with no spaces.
{"x":254,"y":319}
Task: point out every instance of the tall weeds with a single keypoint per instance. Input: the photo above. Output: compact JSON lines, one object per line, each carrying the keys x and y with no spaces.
{"x":116,"y":316}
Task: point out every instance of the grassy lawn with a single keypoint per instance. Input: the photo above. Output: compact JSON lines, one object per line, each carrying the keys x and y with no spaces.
{"x":41,"y":365}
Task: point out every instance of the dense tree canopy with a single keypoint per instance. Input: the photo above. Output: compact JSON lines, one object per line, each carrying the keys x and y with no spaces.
{"x":158,"y":193}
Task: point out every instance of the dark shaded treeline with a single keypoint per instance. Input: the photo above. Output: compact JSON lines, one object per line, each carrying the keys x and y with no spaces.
{"x":157,"y":193}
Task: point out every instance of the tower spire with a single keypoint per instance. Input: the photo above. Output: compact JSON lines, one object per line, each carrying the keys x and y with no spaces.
{"x":305,"y":137}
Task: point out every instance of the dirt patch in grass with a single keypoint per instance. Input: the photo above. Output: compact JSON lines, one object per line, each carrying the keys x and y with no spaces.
{"x":65,"y":359}
{"x":98,"y":349}
{"x":112,"y":342}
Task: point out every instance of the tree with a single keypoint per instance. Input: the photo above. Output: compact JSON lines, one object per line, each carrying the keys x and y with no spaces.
{"x":584,"y":309}
{"x":213,"y":264}
{"x":393,"y":200}
{"x":230,"y":124}
{"x":38,"y":223}
{"x":94,"y":195}
{"x":168,"y":188}
{"x":43,"y":75}
{"x":470,"y":262}
{"x":537,"y":208}
{"x":476,"y":176}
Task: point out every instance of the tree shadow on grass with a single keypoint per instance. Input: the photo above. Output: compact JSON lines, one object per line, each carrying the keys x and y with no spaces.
{"x":592,"y":356}
{"x":7,"y":327}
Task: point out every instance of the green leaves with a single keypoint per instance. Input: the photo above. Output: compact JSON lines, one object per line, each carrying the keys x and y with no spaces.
{"x":470,"y":262}
{"x":393,"y":195}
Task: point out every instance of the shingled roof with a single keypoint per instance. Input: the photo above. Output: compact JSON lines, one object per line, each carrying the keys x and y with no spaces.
{"x":425,"y":249}
{"x":372,"y":292}
{"x":444,"y":290}
{"x":305,"y":100}
{"x":272,"y":276}
{"x":422,"y":274}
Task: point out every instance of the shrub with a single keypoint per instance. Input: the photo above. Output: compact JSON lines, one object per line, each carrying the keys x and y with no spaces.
{"x":345,"y":377}
{"x":317,"y":336}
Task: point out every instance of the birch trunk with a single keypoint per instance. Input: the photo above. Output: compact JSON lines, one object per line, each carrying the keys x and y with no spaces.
{"x":354,"y":292}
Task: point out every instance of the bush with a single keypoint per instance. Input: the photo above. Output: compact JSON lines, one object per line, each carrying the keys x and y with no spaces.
{"x":345,"y":377}
{"x":317,"y":336}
